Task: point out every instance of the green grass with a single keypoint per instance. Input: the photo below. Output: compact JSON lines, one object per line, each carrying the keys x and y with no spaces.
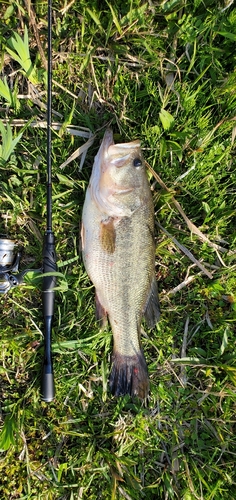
{"x":163,"y":72}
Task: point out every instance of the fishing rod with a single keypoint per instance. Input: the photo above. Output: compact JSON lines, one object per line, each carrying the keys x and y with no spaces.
{"x":10,"y":276}
{"x":49,"y":253}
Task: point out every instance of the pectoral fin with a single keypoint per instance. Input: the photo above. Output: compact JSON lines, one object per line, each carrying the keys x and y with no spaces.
{"x":152,"y":307}
{"x":108,"y":235}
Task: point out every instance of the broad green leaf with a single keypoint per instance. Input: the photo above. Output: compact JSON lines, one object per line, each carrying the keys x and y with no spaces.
{"x":18,"y":49}
{"x":171,"y":5}
{"x":224,"y":342}
{"x":65,"y":180}
{"x":5,"y":91}
{"x":134,"y":14}
{"x":86,"y":60}
{"x":8,"y":13}
{"x":162,"y":148}
{"x":8,"y":143}
{"x":176,"y":148}
{"x":166,"y":119}
{"x":13,"y":55}
{"x":95,"y":19}
{"x":115,"y":20}
{"x":62,"y":467}
{"x":7,"y":434}
{"x":206,"y":207}
{"x":53,"y":273}
{"x":228,"y":34}
{"x":61,"y":195}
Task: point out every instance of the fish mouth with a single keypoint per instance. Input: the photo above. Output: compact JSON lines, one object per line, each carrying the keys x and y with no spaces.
{"x":107,"y":139}
{"x":117,"y":154}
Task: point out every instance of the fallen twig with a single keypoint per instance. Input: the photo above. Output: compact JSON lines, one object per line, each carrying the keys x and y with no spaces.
{"x":70,"y":129}
{"x":190,"y":224}
{"x":184,"y":283}
{"x":82,"y":150}
{"x":186,"y":251}
{"x":36,"y":32}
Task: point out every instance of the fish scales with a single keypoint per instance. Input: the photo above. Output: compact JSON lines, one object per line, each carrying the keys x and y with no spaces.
{"x":119,"y":256}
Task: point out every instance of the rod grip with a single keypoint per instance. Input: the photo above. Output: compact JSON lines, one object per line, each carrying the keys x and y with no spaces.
{"x":49,"y":261}
{"x":48,"y":296}
{"x":47,"y":386}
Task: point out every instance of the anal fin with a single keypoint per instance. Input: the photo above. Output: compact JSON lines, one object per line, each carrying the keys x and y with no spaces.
{"x":152,"y":307}
{"x":101,"y":314}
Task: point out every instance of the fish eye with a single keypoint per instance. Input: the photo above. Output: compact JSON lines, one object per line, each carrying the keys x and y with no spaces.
{"x":137,"y":162}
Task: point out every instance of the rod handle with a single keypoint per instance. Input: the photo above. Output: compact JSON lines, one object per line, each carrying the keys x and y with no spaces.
{"x":48,"y":295}
{"x":47,"y":378}
{"x":48,"y":387}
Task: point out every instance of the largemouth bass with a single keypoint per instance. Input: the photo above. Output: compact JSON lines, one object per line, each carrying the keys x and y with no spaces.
{"x":119,"y":256}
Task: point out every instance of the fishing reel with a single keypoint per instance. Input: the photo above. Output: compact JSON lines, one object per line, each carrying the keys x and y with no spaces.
{"x":10,"y":277}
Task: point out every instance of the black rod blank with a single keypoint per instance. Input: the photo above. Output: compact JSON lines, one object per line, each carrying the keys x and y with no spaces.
{"x":49,"y":120}
{"x":49,"y":253}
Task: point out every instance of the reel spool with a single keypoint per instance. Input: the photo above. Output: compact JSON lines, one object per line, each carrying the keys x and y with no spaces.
{"x":9,"y":263}
{"x":6,"y":252}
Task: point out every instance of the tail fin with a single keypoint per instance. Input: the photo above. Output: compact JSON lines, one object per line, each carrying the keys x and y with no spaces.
{"x":129,"y":375}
